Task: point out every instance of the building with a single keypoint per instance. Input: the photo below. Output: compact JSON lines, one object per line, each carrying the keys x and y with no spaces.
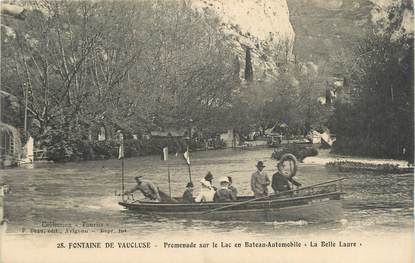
{"x":10,"y":145}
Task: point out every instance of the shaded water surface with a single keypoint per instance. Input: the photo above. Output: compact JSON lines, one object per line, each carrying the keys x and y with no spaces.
{"x":84,"y":192}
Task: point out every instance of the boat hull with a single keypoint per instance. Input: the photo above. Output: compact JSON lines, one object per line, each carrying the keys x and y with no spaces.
{"x":324,"y":207}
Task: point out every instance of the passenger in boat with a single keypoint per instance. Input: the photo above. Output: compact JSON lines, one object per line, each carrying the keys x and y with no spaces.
{"x":188,"y":193}
{"x":224,"y":194}
{"x":147,"y":188}
{"x":281,"y":180}
{"x":232,"y":188}
{"x":260,"y":181}
{"x":208,"y":190}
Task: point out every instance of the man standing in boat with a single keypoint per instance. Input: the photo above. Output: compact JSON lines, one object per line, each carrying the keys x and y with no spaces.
{"x":281,"y":180}
{"x":147,"y":188}
{"x":260,"y":181}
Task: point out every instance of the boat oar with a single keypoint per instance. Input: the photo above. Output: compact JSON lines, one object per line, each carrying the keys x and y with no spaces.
{"x":268,"y":196}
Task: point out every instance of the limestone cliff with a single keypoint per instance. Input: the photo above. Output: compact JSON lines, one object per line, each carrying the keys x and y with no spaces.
{"x":309,"y":31}
{"x":262,"y":26}
{"x":323,"y":27}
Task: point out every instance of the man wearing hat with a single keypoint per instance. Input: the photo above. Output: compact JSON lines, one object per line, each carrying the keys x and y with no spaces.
{"x":281,"y":179}
{"x":260,"y":181}
{"x":224,"y":194}
{"x":147,"y":188}
{"x":188,"y":193}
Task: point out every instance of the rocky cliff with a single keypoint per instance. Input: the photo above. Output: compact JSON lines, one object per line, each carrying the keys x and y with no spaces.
{"x":261,"y":26}
{"x":309,"y":31}
{"x":324,"y":27}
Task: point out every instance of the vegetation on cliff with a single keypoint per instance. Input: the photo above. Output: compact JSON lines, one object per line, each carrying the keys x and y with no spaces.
{"x":378,"y":119}
{"x":140,"y":66}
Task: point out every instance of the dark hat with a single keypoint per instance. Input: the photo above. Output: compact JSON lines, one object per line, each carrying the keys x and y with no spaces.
{"x":189,"y":184}
{"x":260,"y":164}
{"x":209,"y":176}
{"x":138,"y":177}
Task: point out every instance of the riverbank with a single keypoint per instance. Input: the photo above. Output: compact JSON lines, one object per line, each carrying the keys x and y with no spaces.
{"x":325,"y":157}
{"x":351,"y":166}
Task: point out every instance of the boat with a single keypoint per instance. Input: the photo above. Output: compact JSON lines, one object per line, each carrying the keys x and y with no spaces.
{"x":319,"y":202}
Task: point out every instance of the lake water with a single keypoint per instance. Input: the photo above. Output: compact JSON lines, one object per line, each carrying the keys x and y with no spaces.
{"x":73,"y":193}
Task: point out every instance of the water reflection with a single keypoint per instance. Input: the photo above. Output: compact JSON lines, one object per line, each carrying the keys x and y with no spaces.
{"x":76,"y":192}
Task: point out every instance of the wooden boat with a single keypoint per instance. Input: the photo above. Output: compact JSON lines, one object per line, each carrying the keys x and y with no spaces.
{"x":320,"y":202}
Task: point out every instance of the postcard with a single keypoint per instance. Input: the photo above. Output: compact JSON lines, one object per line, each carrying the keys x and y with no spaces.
{"x":207,"y":131}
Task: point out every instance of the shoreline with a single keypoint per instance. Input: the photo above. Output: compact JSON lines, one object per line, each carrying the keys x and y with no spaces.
{"x":324,"y":157}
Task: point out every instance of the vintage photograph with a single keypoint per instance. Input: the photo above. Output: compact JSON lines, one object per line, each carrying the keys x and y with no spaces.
{"x":207,"y":131}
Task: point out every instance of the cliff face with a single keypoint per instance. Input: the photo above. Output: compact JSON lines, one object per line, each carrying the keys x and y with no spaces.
{"x":262,"y":26}
{"x":324,"y":27}
{"x":401,"y":21}
{"x":309,"y":31}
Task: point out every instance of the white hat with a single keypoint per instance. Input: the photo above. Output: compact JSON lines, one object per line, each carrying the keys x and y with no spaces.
{"x":205,"y":183}
{"x":224,"y":179}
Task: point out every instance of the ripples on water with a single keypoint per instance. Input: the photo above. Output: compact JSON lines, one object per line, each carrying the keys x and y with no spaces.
{"x":76,"y":192}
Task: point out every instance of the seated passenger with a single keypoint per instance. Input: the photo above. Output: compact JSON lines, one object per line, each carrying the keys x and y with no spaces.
{"x":224,"y":194}
{"x":208,"y":190}
{"x":188,"y":193}
{"x":232,"y":188}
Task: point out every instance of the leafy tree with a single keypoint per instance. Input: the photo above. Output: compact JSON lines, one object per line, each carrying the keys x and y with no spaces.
{"x":378,"y":118}
{"x":292,"y":99}
{"x":127,"y":65}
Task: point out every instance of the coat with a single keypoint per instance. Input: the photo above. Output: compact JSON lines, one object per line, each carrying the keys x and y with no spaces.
{"x":148,"y":189}
{"x":234,"y":191}
{"x":259,"y":183}
{"x":280,"y":183}
{"x":188,"y":196}
{"x":223,"y":195}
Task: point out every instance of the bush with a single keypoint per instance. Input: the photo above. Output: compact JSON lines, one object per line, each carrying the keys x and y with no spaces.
{"x":61,"y":148}
{"x":101,"y":150}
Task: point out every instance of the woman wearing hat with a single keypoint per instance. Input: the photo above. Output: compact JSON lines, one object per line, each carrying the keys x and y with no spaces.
{"x":224,"y":194}
{"x":260,"y":181}
{"x":207,"y":190}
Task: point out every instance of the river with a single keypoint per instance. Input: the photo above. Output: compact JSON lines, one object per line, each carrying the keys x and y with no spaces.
{"x":73,"y":193}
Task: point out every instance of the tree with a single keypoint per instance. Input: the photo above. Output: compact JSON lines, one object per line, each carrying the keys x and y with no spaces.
{"x":292,"y":99}
{"x":249,"y":73}
{"x":378,"y":121}
{"x":134,"y":66}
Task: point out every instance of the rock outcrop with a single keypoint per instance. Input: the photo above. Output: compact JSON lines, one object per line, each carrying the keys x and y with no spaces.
{"x":261,"y":26}
{"x":309,"y":31}
{"x":324,"y":27}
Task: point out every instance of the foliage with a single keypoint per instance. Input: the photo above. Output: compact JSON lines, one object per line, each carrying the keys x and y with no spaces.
{"x":378,"y":118}
{"x":130,"y":65}
{"x":292,"y":99}
{"x":139,"y":66}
